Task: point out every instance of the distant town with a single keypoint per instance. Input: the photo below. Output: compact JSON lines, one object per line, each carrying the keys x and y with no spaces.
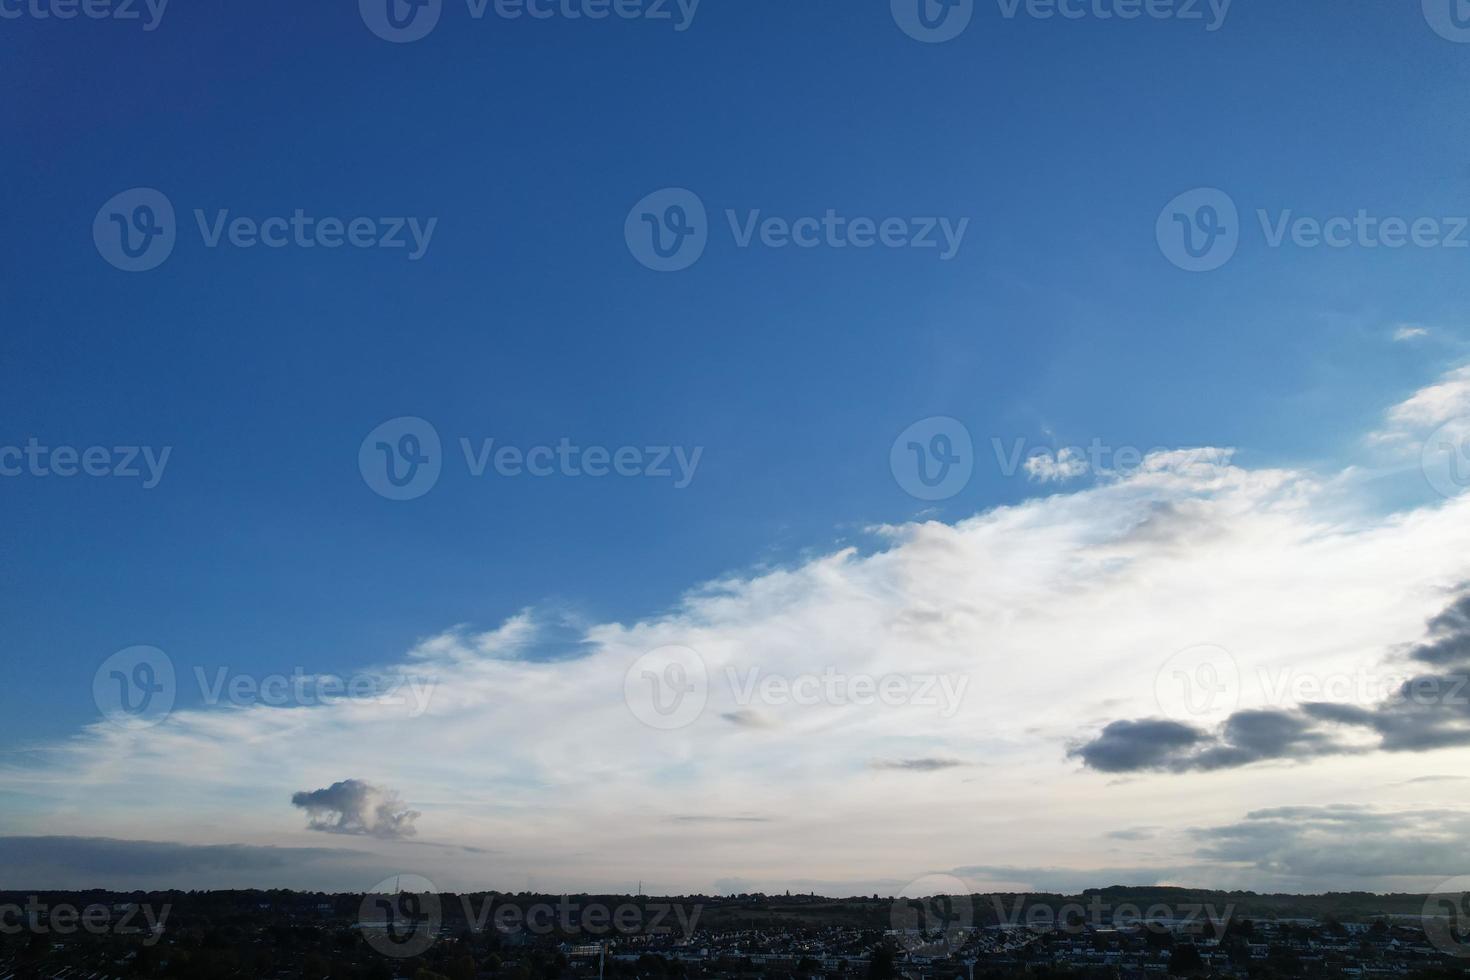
{"x":1120,"y":933}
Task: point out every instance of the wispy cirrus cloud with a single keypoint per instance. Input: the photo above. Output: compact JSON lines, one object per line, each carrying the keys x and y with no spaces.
{"x":1444,"y":401}
{"x":916,"y":765}
{"x":1406,"y":332}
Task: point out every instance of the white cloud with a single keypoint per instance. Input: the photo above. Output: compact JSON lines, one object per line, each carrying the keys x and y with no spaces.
{"x":1406,"y":332}
{"x":1066,"y":465}
{"x":1438,"y":403}
{"x":352,"y":806}
{"x":1061,"y":612}
{"x":1444,"y":402}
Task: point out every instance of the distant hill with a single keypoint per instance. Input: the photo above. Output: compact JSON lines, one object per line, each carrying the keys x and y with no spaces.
{"x":808,"y":911}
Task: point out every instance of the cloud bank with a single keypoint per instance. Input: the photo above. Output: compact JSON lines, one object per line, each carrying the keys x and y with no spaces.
{"x":1065,"y":612}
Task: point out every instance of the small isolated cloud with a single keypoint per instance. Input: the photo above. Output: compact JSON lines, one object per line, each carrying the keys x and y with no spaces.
{"x":1409,"y":331}
{"x":1433,"y":779}
{"x":748,"y":718}
{"x":916,"y":765}
{"x":1134,"y":833}
{"x":1134,"y":746}
{"x":1067,"y":464}
{"x":355,"y":807}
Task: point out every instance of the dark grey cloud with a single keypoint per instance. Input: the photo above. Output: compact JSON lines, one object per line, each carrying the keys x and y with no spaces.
{"x":1132,"y":746}
{"x":916,"y":765}
{"x":104,"y":862}
{"x":1449,"y":636}
{"x":1134,"y":833}
{"x":1429,"y":711}
{"x":746,"y":718}
{"x":1256,"y":736}
{"x":358,"y":808}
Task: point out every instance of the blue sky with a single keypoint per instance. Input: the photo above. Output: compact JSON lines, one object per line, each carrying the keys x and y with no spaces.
{"x":527,"y":319}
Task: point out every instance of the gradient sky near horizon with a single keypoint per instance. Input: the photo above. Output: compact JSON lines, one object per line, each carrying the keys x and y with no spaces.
{"x":1295,"y":521}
